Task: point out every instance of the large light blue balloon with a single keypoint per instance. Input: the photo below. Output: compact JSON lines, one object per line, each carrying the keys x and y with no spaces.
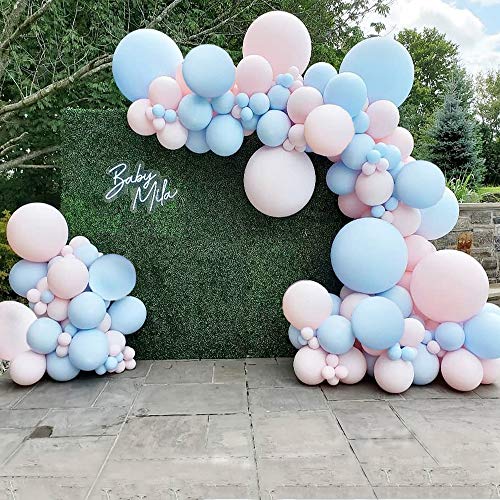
{"x":293,"y":336}
{"x":369,"y":255}
{"x":273,"y":128}
{"x":420,"y":184}
{"x":440,"y":219}
{"x":224,"y":135}
{"x":377,"y":323}
{"x":194,"y":112}
{"x":401,"y":297}
{"x":347,"y":90}
{"x":142,"y":56}
{"x":223,"y":104}
{"x":24,"y":276}
{"x":88,"y":349}
{"x":86,"y":310}
{"x":340,"y":179}
{"x":361,"y":122}
{"x":482,"y":335}
{"x":197,"y":141}
{"x":127,"y":315}
{"x":354,"y":155}
{"x":450,"y":336}
{"x":384,"y":65}
{"x":208,"y":71}
{"x":60,"y":369}
{"x":278,"y":97}
{"x":335,"y":335}
{"x":318,"y":75}
{"x":42,"y":335}
{"x":112,"y":277}
{"x":425,"y":366}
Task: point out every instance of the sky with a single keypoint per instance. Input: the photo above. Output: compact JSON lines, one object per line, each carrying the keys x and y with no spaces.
{"x":473,"y":24}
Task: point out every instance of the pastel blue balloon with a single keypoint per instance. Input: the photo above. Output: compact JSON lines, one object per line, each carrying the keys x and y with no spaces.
{"x":250,"y":124}
{"x":112,"y":277}
{"x":71,"y":329}
{"x":420,"y":184}
{"x":42,"y":335}
{"x":46,"y":297}
{"x":101,"y":370}
{"x":354,"y":155}
{"x":293,"y":336}
{"x":60,"y":369}
{"x":246,"y":114}
{"x":441,"y":218}
{"x":278,"y":97}
{"x":242,"y":100}
{"x":197,"y":141}
{"x":381,"y":148}
{"x":285,"y":79}
{"x":377,"y":211}
{"x":259,"y":103}
{"x":127,"y":315}
{"x":119,"y":357}
{"x":396,"y":171}
{"x":391,"y":204}
{"x":491,"y":308}
{"x":224,"y":103}
{"x":273,"y":128}
{"x":336,"y":300}
{"x":86,"y":310}
{"x":347,"y":90}
{"x":158,"y":110}
{"x":111,"y":363}
{"x":393,"y":156}
{"x":450,"y":336}
{"x":194,"y":112}
{"x":340,"y":179}
{"x":428,"y":336}
{"x":170,"y":115}
{"x":335,"y":335}
{"x":224,"y":135}
{"x":373,"y":156}
{"x":318,"y":75}
{"x":142,"y":56}
{"x":88,"y":254}
{"x":482,"y":335}
{"x":361,"y":122}
{"x":208,"y":71}
{"x":370,"y":363}
{"x":425,"y":366}
{"x":369,"y":255}
{"x":377,"y":322}
{"x":25,"y":274}
{"x":401,"y":297}
{"x":408,"y":353}
{"x":384,"y":65}
{"x":395,"y":352}
{"x":88,"y":349}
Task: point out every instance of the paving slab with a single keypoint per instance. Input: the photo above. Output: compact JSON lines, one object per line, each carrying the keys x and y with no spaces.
{"x":20,"y":419}
{"x":271,"y":375}
{"x":437,"y":390}
{"x":491,"y":391}
{"x":366,"y":390}
{"x":437,"y":492}
{"x":181,"y":372}
{"x":229,"y":371}
{"x":286,"y":399}
{"x":318,"y":492}
{"x":10,"y":440}
{"x":119,"y":392}
{"x":141,"y":370}
{"x":11,"y":393}
{"x":28,"y":488}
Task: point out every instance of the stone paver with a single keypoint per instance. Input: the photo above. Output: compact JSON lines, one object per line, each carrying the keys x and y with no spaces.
{"x":243,"y":429}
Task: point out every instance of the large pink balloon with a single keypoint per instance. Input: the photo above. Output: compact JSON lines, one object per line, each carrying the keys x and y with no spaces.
{"x":384,"y":118}
{"x":307,"y":303}
{"x":374,"y":189}
{"x":414,"y":333}
{"x":137,"y":118}
{"x":254,"y":74}
{"x":27,"y":368}
{"x":15,"y":319}
{"x":418,"y":248}
{"x":179,"y":78}
{"x":279,"y":183}
{"x":406,"y":219}
{"x":328,"y":129}
{"x":356,"y":366}
{"x":172,"y":135}
{"x":37,"y":232}
{"x":491,"y":370}
{"x":405,"y":281}
{"x":166,"y":91}
{"x":449,"y":285}
{"x":402,"y":139}
{"x":281,"y":38}
{"x":350,"y":205}
{"x":58,"y":309}
{"x":308,"y":365}
{"x":68,"y":277}
{"x":302,"y":102}
{"x":350,"y":302}
{"x":393,"y":376}
{"x":462,"y":370}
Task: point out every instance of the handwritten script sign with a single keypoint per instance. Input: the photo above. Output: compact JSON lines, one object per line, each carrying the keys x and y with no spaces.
{"x":146,"y":187}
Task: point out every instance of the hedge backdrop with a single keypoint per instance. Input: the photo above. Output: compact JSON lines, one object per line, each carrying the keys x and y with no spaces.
{"x":211,"y":269}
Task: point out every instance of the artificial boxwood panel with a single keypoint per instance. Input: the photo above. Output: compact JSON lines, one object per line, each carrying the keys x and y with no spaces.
{"x":211,"y":269}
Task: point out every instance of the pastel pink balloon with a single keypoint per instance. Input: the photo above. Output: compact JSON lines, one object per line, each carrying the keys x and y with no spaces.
{"x":302,"y":102}
{"x":405,"y":281}
{"x":350,"y":302}
{"x":374,"y":189}
{"x":328,"y":129}
{"x":254,"y":74}
{"x":62,"y":351}
{"x":393,"y":376}
{"x":128,"y":353}
{"x":27,"y":368}
{"x":173,"y":135}
{"x":491,"y":370}
{"x":373,"y":352}
{"x":116,"y":338}
{"x":431,"y":325}
{"x":15,"y":319}
{"x":121,"y":367}
{"x":433,"y":347}
{"x":58,"y":309}
{"x":114,"y":350}
{"x":33,"y":295}
{"x":449,"y":285}
{"x":408,"y":160}
{"x":159,"y":124}
{"x":130,"y":364}
{"x":462,"y":370}
{"x":42,"y":284}
{"x":281,"y":38}
{"x":350,"y":205}
{"x":418,"y":248}
{"x":64,"y":339}
{"x":137,"y":119}
{"x":406,"y":219}
{"x":413,"y":334}
{"x":402,"y":139}
{"x":307,"y":303}
{"x":308,"y":365}
{"x":78,"y":241}
{"x":296,"y":135}
{"x":37,"y":232}
{"x":344,"y":292}
{"x":105,"y":324}
{"x":40,"y":308}
{"x":384,"y":118}
{"x":355,"y":363}
{"x":66,"y":250}
{"x":68,"y":278}
{"x":166,"y":91}
{"x":180,"y":80}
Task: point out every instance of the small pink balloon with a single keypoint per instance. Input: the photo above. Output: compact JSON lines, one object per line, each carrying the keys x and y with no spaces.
{"x":413,"y":334}
{"x":296,"y":135}
{"x":159,"y":124}
{"x":149,"y":113}
{"x":387,"y":216}
{"x":462,"y":370}
{"x":246,"y":133}
{"x":105,"y":324}
{"x":40,"y":308}
{"x":351,"y":205}
{"x":355,"y":363}
{"x":308,"y":365}
{"x":406,"y":219}
{"x":332,"y":360}
{"x":394,"y":377}
{"x":58,"y":309}
{"x":296,"y":85}
{"x":333,"y":381}
{"x":382,"y":165}
{"x":307,"y":333}
{"x":313,"y":343}
{"x":166,"y":91}
{"x":66,"y":250}
{"x":418,"y":248}
{"x":254,"y":74}
{"x":236,"y":112}
{"x":335,"y":158}
{"x":374,"y":189}
{"x":33,"y":295}
{"x":368,"y":168}
{"x":61,"y":351}
{"x":78,"y":241}
{"x":341,"y":372}
{"x":302,"y":102}
{"x":344,"y":292}
{"x":402,"y":139}
{"x":128,"y":353}
{"x":117,"y":338}
{"x":64,"y":339}
{"x":491,"y":370}
{"x":373,"y":352}
{"x":121,"y":367}
{"x":173,"y":135}
{"x":328,"y":372}
{"x":68,"y":278}
{"x":288,"y":146}
{"x":433,"y":347}
{"x":405,"y":281}
{"x":114,"y":350}
{"x":350,"y":303}
{"x":384,"y":118}
{"x":137,"y":119}
{"x":27,"y":368}
{"x":15,"y":319}
{"x":130,"y":364}
{"x":179,"y":78}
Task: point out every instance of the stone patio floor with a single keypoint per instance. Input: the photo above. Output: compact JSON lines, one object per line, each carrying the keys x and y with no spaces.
{"x":243,"y":429}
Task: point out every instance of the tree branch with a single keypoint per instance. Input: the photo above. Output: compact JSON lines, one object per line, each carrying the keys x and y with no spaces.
{"x":160,"y":17}
{"x":29,"y":156}
{"x":10,"y":144}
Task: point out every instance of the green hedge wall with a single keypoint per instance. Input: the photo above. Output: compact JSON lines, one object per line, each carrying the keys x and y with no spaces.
{"x":211,"y":269}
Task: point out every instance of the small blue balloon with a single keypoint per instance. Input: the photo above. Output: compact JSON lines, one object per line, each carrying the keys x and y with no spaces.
{"x":425,"y":366}
{"x":336,"y":300}
{"x":393,"y":156}
{"x":224,"y":135}
{"x":340,"y":179}
{"x":391,"y":204}
{"x":373,"y":156}
{"x":482,"y":335}
{"x":278,"y":97}
{"x":401,"y":297}
{"x":224,"y":103}
{"x":194,"y":112}
{"x":450,"y":336}
{"x":86,"y":310}
{"x":250,"y":124}
{"x":408,"y":353}
{"x":119,"y":357}
{"x":127,"y":315}
{"x":318,"y":75}
{"x":208,"y":71}
{"x":100,"y":370}
{"x":246,"y":114}
{"x":88,"y":254}
{"x":170,"y":115}
{"x":42,"y":335}
{"x":285,"y":79}
{"x":60,"y":369}
{"x":427,"y":337}
{"x":377,"y":211}
{"x":381,"y":147}
{"x":242,"y":100}
{"x":394,"y":352}
{"x":197,"y":141}
{"x":273,"y":128}
{"x":335,"y":335}
{"x":89,"y":349}
{"x":158,"y":110}
{"x":347,"y":90}
{"x":71,"y":329}
{"x":259,"y":103}
{"x":46,"y":297}
{"x":293,"y":336}
{"x":24,"y":276}
{"x":354,"y":155}
{"x":361,"y":122}
{"x":111,"y":363}
{"x":441,"y":218}
{"x":112,"y":277}
{"x":396,"y":171}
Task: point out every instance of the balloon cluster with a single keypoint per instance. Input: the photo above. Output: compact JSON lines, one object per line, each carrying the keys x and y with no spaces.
{"x":79,"y":304}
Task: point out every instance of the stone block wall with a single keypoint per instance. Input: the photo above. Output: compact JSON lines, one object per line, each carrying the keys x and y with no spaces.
{"x":478,"y":233}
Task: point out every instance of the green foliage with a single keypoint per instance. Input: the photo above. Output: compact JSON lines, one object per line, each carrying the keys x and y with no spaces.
{"x":211,"y":269}
{"x":463,"y":189}
{"x":7,"y":259}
